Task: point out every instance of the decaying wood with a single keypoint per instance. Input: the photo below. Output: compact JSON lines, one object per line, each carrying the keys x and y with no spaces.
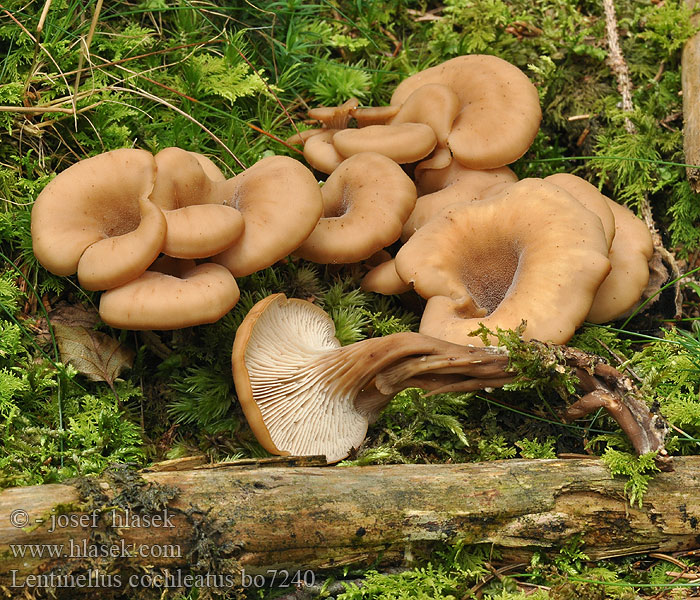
{"x":690,"y":65}
{"x":234,"y":518}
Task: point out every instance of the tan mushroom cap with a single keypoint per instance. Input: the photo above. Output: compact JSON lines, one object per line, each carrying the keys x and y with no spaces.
{"x":157,"y":300}
{"x":373,"y":115}
{"x":281,"y":204}
{"x":483,"y":262}
{"x":335,"y":117}
{"x":383,"y":279}
{"x":320,"y":152}
{"x":467,"y":187}
{"x":199,"y":224}
{"x":365,"y":203}
{"x":95,"y":199}
{"x":434,"y":180}
{"x":403,"y":143}
{"x":500,"y":112}
{"x":114,"y":261}
{"x":433,"y":104}
{"x":588,"y":195}
{"x":631,"y":251}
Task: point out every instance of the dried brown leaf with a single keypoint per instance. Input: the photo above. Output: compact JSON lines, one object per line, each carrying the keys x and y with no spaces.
{"x":94,"y":354}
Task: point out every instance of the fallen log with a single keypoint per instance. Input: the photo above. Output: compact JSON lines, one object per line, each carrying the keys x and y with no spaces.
{"x":233,"y":522}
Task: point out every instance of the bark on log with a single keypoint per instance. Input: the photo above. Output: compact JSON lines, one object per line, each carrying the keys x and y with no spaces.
{"x":228,"y":518}
{"x":690,"y":73}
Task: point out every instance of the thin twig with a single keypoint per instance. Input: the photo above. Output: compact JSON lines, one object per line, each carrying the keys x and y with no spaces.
{"x":88,"y":42}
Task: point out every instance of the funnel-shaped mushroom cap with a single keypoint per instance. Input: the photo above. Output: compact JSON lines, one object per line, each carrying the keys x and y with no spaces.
{"x":97,"y":198}
{"x":500,"y":110}
{"x":466,"y":187}
{"x":114,"y":261}
{"x":281,"y":204}
{"x":305,"y":404}
{"x":588,"y":195}
{"x":630,"y":254}
{"x":542,"y":263}
{"x":199,"y":224}
{"x":158,"y":300}
{"x":366,"y":201}
{"x":320,"y":152}
{"x":403,"y":143}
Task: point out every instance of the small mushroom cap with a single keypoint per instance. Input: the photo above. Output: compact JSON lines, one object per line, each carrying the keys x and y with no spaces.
{"x":468,"y":187}
{"x":374,"y":115}
{"x":272,"y":372}
{"x":281,"y":204}
{"x":366,"y":201}
{"x":157,"y":300}
{"x":114,"y":261}
{"x":433,"y":104}
{"x":632,"y":249}
{"x":202,"y":231}
{"x":542,"y":263}
{"x":199,"y":224}
{"x":434,"y":180}
{"x":302,"y":136}
{"x":403,"y":143}
{"x":320,"y":152}
{"x":93,"y":199}
{"x":500,"y":110}
{"x":383,"y":279}
{"x":588,"y":195}
{"x":335,"y":117}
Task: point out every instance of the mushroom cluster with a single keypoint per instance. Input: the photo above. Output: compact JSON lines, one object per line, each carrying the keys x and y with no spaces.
{"x":165,"y":236}
{"x":480,"y":246}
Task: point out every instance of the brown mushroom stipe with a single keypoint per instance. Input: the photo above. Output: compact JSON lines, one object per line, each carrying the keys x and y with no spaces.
{"x":320,"y":152}
{"x":500,"y":111}
{"x":466,"y":187}
{"x":631,"y":251}
{"x":588,"y":195}
{"x":366,"y":201}
{"x":484,"y":262}
{"x":383,"y":279}
{"x":281,"y":204}
{"x":304,"y":394}
{"x":403,"y":143}
{"x":157,"y":300}
{"x":94,"y":199}
{"x":199,"y":224}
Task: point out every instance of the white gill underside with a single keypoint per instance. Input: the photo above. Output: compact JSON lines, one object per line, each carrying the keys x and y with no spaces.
{"x":305,"y":403}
